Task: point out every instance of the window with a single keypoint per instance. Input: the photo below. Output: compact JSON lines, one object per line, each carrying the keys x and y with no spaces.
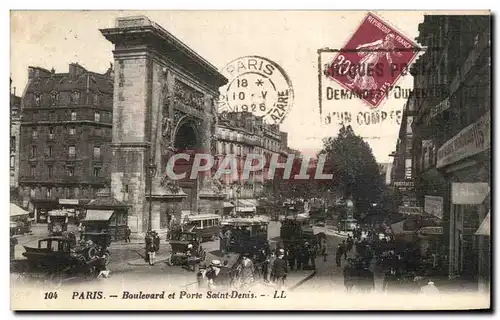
{"x":72,"y":131}
{"x":97,"y":152}
{"x":12,"y":143}
{"x":12,"y":162}
{"x":98,"y":132}
{"x":34,"y":116}
{"x":52,"y":116}
{"x":97,"y":172}
{"x":72,"y":151}
{"x":96,"y":99}
{"x":49,"y":192}
{"x":54,"y":98}
{"x":32,"y":171}
{"x":49,"y":151}
{"x":75,"y":97}
{"x":73,"y":115}
{"x":97,"y":116}
{"x":38,"y":99}
{"x":71,"y":172}
{"x":33,"y":151}
{"x":34,"y":133}
{"x":51,"y":171}
{"x":51,"y":133}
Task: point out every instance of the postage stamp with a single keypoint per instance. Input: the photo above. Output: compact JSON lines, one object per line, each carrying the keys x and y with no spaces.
{"x":258,"y":85}
{"x":373,"y":59}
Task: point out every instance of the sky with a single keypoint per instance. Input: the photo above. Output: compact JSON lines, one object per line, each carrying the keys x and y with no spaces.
{"x":53,"y":39}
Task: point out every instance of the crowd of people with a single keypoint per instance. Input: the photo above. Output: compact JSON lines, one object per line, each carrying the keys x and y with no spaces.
{"x":377,"y":251}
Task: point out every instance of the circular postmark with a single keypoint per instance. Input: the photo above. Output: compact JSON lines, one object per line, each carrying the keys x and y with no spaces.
{"x":257,"y":85}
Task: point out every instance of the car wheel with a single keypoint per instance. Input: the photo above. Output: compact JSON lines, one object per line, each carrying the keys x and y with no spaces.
{"x":214,"y":237}
{"x":169,"y":261}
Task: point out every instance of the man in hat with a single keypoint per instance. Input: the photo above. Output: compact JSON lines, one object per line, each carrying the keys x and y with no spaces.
{"x":212,"y":273}
{"x":280,"y":269}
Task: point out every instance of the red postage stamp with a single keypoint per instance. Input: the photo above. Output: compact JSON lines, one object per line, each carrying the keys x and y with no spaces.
{"x":372,"y":60}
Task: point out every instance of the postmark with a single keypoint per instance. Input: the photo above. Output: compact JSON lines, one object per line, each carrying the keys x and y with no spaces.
{"x":372,"y":61}
{"x":257,"y":85}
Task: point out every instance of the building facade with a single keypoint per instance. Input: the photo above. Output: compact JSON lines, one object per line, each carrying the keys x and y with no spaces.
{"x":65,"y":136}
{"x":15,"y":126}
{"x":241,"y":134}
{"x":402,"y":171}
{"x":451,"y":149}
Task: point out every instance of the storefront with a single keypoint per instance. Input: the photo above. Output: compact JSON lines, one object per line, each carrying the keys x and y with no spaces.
{"x":106,"y":214}
{"x":465,"y":161}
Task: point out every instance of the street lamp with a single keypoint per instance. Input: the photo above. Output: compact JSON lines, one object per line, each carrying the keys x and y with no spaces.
{"x":152,"y":172}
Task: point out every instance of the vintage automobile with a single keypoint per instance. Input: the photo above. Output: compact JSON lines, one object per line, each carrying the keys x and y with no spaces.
{"x":61,"y":257}
{"x":180,"y":245}
{"x":246,"y":235}
{"x":297,"y":231}
{"x":57,"y":222}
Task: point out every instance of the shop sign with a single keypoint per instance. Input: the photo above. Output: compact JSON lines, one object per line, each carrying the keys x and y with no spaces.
{"x":68,"y":201}
{"x":472,"y":140}
{"x":434,"y":205}
{"x":469,"y":193}
{"x":410,"y":210}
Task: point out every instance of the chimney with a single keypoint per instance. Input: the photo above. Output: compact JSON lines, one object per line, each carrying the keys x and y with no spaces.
{"x":75,"y":70}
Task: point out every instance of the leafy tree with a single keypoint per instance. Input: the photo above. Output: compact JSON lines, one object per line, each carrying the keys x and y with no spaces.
{"x":355,"y":170}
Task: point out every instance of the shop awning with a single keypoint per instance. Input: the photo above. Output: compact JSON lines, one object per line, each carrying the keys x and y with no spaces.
{"x":484,"y":228}
{"x":98,"y":215}
{"x":16,"y":210}
{"x":228,"y":205}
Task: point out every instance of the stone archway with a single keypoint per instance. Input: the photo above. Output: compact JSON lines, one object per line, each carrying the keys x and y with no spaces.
{"x":186,"y":137}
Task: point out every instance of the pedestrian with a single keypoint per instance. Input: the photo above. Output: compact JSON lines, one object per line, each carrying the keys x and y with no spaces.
{"x":366,"y":279}
{"x":81,"y":230}
{"x":127,"y":234}
{"x":349,"y":275}
{"x":212,"y":274}
{"x":149,"y":244}
{"x":156,"y":238}
{"x":246,"y":271}
{"x":292,"y":256}
{"x":191,"y":262}
{"x":312,"y":256}
{"x":280,"y":269}
{"x":201,"y":276}
{"x":306,"y":255}
{"x":324,"y":248}
{"x":269,"y":265}
{"x":350,"y":243}
{"x":344,"y":249}
{"x":391,"y":279}
{"x":338,"y":254}
{"x":152,"y":254}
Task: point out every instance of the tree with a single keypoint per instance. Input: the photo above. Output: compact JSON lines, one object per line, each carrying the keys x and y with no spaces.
{"x":355,"y":171}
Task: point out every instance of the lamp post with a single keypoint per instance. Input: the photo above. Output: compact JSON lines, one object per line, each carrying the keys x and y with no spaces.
{"x":152,"y":172}
{"x":238,"y":191}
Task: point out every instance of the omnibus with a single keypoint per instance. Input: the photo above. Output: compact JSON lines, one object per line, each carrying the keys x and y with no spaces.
{"x":206,"y":226}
